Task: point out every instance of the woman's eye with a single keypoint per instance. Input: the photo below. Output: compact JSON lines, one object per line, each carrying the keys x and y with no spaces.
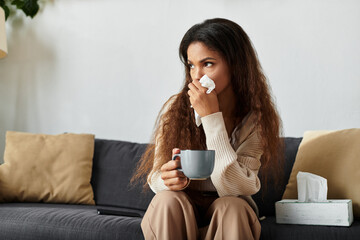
{"x":208,"y":64}
{"x":191,"y":66}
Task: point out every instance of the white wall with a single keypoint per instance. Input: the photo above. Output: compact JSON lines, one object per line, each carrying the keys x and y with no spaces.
{"x":107,"y":66}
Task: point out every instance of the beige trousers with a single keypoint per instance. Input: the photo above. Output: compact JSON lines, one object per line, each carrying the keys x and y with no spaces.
{"x":190,"y":215}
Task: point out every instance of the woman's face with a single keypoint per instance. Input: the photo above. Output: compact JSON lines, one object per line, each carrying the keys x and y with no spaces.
{"x":203,"y":60}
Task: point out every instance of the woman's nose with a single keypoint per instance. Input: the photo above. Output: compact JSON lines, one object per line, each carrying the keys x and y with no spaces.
{"x":198,"y":73}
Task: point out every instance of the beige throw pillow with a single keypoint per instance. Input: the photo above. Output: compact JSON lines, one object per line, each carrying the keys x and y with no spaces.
{"x":334,"y":155}
{"x":47,"y":168}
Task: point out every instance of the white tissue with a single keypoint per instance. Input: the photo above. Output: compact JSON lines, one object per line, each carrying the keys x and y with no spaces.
{"x":311,"y":187}
{"x":210,"y":85}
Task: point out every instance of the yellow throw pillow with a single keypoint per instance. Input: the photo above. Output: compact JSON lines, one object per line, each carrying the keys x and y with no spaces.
{"x":334,"y":155}
{"x":47,"y":168}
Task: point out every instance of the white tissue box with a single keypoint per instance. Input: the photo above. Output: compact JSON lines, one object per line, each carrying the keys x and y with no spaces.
{"x":330,"y":213}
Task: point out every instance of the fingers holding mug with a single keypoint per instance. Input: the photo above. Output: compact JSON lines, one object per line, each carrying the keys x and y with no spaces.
{"x":176,"y":184}
{"x":175,"y":180}
{"x":172,"y":174}
{"x":175,"y":151}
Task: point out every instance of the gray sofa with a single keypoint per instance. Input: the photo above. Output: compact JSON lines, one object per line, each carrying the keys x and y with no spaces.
{"x":114,"y":163}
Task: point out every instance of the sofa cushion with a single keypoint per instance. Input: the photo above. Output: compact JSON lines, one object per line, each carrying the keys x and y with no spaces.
{"x":44,"y":221}
{"x":47,"y":168}
{"x":266,"y":198}
{"x":333,"y":155}
{"x":113,"y":166}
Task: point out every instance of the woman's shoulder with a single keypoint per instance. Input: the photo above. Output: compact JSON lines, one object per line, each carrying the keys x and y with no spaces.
{"x":166,"y":106}
{"x":247,"y":126}
{"x":171,"y":100}
{"x":251,"y":119}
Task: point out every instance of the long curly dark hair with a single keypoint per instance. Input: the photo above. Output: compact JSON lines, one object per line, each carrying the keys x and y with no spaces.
{"x":176,"y":126}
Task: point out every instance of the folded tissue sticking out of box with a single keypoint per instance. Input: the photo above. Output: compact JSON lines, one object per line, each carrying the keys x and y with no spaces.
{"x":311,"y":187}
{"x":312,"y":206}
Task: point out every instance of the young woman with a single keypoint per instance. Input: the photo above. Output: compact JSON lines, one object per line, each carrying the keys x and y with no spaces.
{"x":239,"y":121}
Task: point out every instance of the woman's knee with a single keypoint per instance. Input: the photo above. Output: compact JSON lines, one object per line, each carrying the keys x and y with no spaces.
{"x":170,"y":199}
{"x":232,"y":204}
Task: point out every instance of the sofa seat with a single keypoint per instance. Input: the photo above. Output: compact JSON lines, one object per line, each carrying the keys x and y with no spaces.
{"x":271,"y":230}
{"x":64,"y":221}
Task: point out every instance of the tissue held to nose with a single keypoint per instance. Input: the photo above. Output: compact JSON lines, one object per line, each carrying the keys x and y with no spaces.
{"x":207,"y":83}
{"x":210,"y":85}
{"x":311,"y":187}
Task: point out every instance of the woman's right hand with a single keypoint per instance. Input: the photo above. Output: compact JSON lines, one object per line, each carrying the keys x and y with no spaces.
{"x":174,"y":179}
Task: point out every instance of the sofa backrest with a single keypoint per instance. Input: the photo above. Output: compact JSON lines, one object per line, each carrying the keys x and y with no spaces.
{"x":113,"y":166}
{"x":266,"y":198}
{"x":115,"y":162}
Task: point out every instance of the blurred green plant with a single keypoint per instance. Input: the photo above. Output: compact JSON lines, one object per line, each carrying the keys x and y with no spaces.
{"x":29,"y":7}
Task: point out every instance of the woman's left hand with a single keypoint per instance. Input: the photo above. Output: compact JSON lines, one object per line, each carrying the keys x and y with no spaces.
{"x":203,"y":103}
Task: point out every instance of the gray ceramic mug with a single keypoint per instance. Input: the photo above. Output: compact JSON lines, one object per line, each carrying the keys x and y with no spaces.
{"x":196,"y":164}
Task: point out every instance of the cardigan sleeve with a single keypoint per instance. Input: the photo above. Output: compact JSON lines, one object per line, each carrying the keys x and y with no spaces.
{"x":235,"y":172}
{"x":156,"y":183}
